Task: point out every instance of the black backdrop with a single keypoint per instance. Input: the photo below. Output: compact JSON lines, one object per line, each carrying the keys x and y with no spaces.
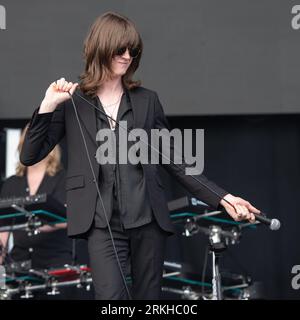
{"x":212,"y":56}
{"x":255,"y":157}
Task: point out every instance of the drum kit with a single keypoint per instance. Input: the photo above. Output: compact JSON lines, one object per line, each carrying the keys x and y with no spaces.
{"x":20,"y":279}
{"x":24,"y":282}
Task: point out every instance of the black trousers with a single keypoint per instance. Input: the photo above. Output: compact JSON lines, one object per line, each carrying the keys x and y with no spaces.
{"x":141,"y":254}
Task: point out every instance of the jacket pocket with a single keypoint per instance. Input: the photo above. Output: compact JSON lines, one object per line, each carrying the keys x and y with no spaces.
{"x":75,"y":182}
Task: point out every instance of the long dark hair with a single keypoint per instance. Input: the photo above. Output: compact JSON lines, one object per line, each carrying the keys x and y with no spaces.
{"x":109,"y":32}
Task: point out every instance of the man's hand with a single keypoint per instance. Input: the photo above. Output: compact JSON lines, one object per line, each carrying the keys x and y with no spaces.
{"x":56,"y":94}
{"x":241,"y":210}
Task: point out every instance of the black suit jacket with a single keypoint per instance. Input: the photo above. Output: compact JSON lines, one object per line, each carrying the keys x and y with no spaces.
{"x":46,"y":130}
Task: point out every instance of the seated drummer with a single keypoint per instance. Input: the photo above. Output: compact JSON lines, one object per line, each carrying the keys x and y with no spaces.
{"x":50,"y":247}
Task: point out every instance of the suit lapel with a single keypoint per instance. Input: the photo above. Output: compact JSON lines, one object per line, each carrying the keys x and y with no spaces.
{"x":139,"y":103}
{"x":86,"y":113}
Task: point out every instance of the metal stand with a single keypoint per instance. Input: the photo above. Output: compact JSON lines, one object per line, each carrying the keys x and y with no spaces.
{"x":218,"y":239}
{"x":217,"y":246}
{"x":31,"y":226}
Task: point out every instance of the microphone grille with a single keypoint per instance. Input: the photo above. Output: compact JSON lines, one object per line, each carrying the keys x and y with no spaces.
{"x":275,"y":224}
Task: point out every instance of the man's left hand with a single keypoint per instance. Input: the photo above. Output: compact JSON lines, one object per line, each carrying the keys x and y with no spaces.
{"x":240,"y":209}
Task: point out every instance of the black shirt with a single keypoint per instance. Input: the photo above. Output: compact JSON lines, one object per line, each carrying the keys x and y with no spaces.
{"x":46,"y":249}
{"x":122,"y":186}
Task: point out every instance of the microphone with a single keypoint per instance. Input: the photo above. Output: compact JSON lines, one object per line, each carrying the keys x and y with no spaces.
{"x":274,"y":224}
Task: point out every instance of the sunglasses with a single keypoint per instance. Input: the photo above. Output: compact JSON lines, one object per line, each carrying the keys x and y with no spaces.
{"x":134,"y":52}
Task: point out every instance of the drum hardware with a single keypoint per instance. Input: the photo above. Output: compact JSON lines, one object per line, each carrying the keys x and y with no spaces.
{"x":220,"y":229}
{"x":18,"y":267}
{"x":31,"y":226}
{"x":54,"y":290}
{"x":219,"y":240}
{"x":52,"y":279}
{"x":40,"y":273}
{"x":186,"y":293}
{"x":28,"y":294}
{"x":30,"y":212}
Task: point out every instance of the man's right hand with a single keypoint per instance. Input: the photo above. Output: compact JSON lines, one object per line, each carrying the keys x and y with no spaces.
{"x":56,"y":94}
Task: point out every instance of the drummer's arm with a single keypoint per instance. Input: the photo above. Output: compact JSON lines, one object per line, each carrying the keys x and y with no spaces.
{"x":3,"y":245}
{"x":54,"y":227}
{"x":62,"y":225}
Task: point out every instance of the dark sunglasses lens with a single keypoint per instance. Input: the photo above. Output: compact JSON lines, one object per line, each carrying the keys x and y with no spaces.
{"x":134,"y":52}
{"x":120,"y":51}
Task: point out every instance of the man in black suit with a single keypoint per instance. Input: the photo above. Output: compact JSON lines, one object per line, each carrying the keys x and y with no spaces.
{"x":129,"y":197}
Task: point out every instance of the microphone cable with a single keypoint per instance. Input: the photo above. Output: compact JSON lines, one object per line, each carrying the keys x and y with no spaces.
{"x":95,"y":180}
